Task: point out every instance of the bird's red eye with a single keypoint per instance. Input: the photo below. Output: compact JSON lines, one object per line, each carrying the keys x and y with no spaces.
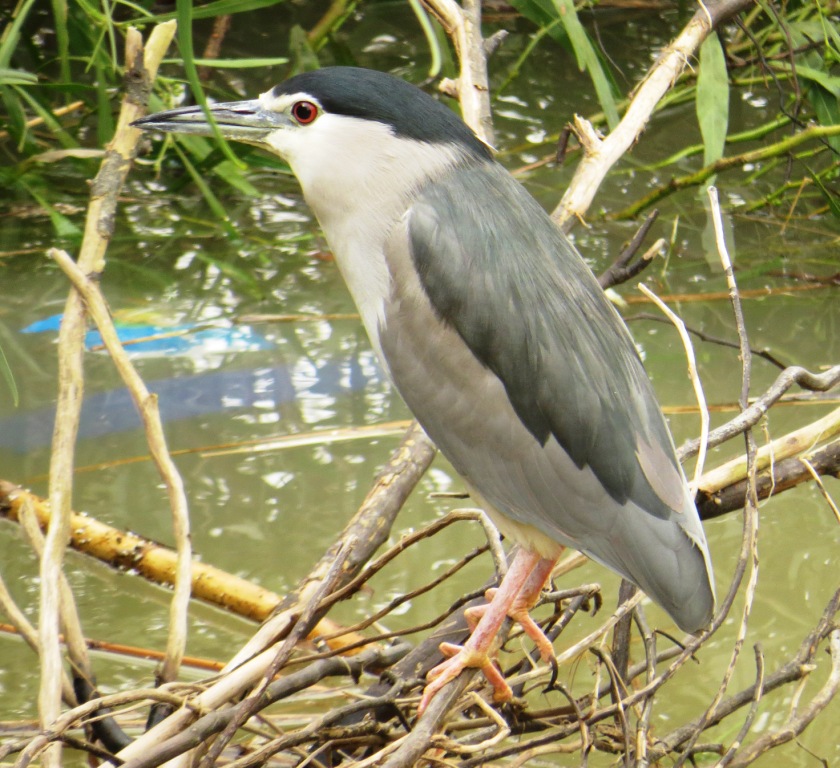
{"x":304,"y":112}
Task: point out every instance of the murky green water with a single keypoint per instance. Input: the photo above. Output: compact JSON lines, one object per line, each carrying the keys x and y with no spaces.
{"x":269,"y":516}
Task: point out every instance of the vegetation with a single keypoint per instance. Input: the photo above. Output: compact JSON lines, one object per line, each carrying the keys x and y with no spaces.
{"x":60,"y":79}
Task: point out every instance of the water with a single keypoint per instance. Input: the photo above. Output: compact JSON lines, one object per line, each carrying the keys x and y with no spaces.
{"x":269,"y":516}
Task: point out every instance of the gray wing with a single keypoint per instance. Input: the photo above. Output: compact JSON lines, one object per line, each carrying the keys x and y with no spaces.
{"x":504,"y":347}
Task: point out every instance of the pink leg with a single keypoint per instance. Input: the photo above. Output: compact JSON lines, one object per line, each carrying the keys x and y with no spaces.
{"x":527,"y":598}
{"x":518,"y":592}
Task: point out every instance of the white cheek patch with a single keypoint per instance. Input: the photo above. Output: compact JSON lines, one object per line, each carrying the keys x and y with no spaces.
{"x":359,"y":179}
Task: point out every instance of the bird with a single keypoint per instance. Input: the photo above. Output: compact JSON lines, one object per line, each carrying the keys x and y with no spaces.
{"x":495,"y":333}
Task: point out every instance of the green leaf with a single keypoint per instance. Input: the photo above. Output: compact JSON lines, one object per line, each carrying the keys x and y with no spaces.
{"x":540,"y":12}
{"x":211,"y":199}
{"x":64,"y":228}
{"x":426,"y":25}
{"x":233,"y":63}
{"x":12,"y":31}
{"x":559,"y":19}
{"x":45,"y":113}
{"x":185,"y":42}
{"x":827,"y":108}
{"x":830,"y":197}
{"x":827,"y":81}
{"x":15,"y":116}
{"x":62,"y":37}
{"x":587,"y":58}
{"x":6,"y":370}
{"x":105,"y":126}
{"x":211,"y":10}
{"x":304,"y":56}
{"x":712,"y":99}
{"x":17,"y":77}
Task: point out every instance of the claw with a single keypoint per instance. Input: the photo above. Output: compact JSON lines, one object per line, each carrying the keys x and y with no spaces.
{"x":516,"y":595}
{"x":555,"y":672}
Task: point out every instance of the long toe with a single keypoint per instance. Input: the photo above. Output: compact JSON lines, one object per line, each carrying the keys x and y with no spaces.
{"x":535,"y":632}
{"x":524,"y":579}
{"x":461,"y":658}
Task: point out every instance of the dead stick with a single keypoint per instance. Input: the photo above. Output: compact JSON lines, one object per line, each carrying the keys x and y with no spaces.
{"x":157,"y":563}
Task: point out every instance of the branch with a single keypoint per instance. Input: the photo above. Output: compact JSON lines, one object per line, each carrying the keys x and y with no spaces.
{"x":368,"y":529}
{"x":147,"y":405}
{"x":601,"y":154}
{"x":99,"y":226}
{"x":463,"y":26}
{"x":755,"y":157}
{"x":212,"y":723}
{"x":124,"y":550}
{"x":751,"y":497}
{"x":781,"y":476}
{"x":793,"y":443}
{"x":797,"y":668}
{"x":822,"y":382}
{"x":621,"y":270}
{"x":798,"y":723}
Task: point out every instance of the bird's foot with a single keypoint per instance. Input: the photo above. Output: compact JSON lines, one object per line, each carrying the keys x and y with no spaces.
{"x":521,"y":615}
{"x":459,"y":658}
{"x":519,"y":612}
{"x":516,"y":595}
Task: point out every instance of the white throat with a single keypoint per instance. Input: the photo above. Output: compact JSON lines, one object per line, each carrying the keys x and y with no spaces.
{"x":360,"y":179}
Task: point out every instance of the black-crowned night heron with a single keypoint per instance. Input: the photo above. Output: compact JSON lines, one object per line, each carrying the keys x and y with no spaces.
{"x":495,"y":333}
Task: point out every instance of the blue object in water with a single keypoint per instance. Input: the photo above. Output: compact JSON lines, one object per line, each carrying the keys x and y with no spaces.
{"x":147,"y":340}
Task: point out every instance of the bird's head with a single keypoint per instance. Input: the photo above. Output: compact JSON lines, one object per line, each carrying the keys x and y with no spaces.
{"x":340,"y":127}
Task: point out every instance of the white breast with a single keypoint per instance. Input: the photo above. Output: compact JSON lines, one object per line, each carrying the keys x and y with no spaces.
{"x":360,"y":179}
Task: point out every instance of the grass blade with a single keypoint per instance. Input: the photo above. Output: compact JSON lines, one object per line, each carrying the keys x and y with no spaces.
{"x":9,"y":377}
{"x":587,"y":58}
{"x":712,"y":99}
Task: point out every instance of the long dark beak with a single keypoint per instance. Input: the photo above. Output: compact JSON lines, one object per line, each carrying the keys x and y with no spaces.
{"x":236,"y":120}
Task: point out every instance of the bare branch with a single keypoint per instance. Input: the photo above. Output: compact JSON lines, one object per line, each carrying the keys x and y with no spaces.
{"x":601,"y":154}
{"x":621,"y":270}
{"x":750,"y":416}
{"x":798,"y":723}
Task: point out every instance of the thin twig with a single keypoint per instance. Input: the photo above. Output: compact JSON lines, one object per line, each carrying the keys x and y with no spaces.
{"x":758,"y":689}
{"x":643,"y":724}
{"x":463,"y":25}
{"x":620,"y":271}
{"x":601,"y":154}
{"x":695,"y":380}
{"x":796,"y":725}
{"x":750,"y":416}
{"x":798,"y":668}
{"x":251,"y":705}
{"x":780,"y":476}
{"x":147,"y":406}
{"x":832,"y":505}
{"x":791,"y":444}
{"x":99,"y":226}
{"x":765,"y":354}
{"x":751,"y":500}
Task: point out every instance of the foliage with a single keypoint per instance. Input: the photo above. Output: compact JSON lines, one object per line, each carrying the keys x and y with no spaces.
{"x":8,"y":377}
{"x":63,"y":94}
{"x":55,"y":87}
{"x":792,"y":54}
{"x":712,"y":98}
{"x":559,"y":19}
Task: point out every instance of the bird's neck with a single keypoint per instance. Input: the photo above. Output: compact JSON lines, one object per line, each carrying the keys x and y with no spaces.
{"x":359,"y":204}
